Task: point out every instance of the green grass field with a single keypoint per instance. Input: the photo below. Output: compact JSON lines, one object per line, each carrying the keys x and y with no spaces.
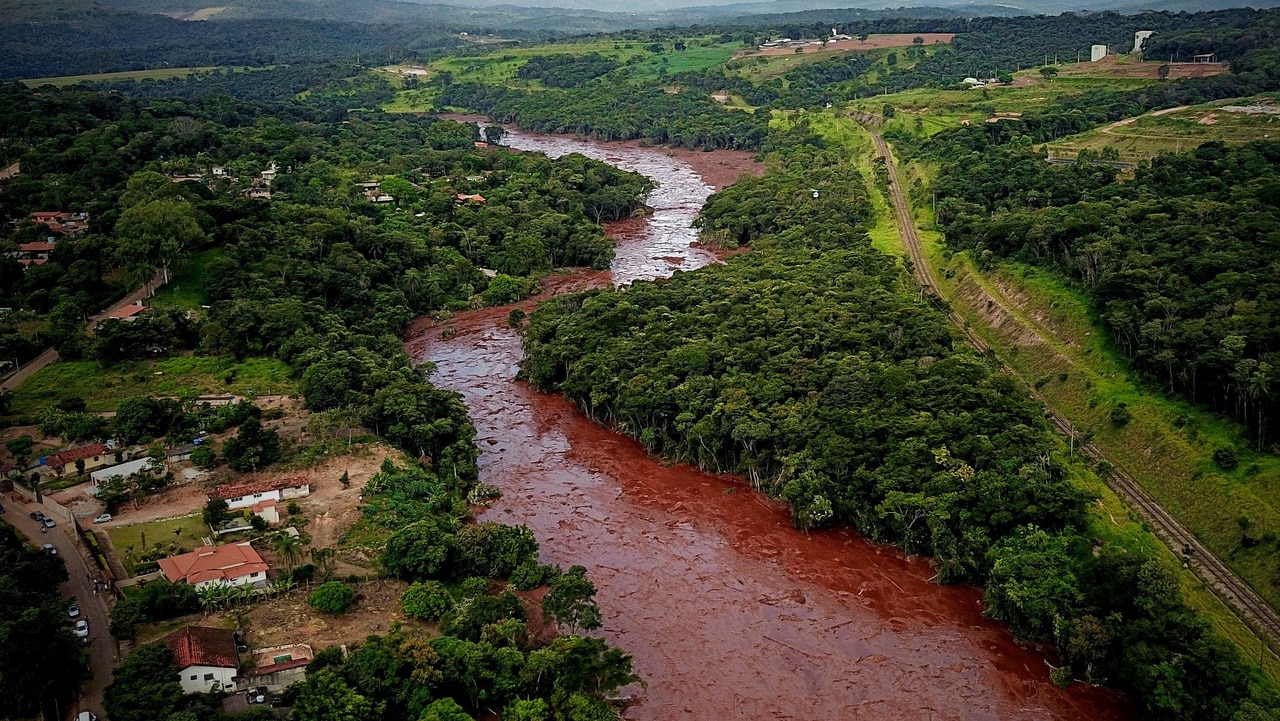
{"x":103,"y":388}
{"x":173,"y":536}
{"x":1178,"y":130}
{"x":138,"y":75}
{"x":185,"y":289}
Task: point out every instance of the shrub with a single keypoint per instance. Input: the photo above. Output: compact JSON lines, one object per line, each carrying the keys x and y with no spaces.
{"x":473,"y":587}
{"x":1226,"y":458}
{"x":428,"y":600}
{"x":332,"y":597}
{"x":1121,"y":415}
{"x":204,"y":457}
{"x":530,"y":575}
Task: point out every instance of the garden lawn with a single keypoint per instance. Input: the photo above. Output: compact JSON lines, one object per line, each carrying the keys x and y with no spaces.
{"x":174,"y":536}
{"x":103,"y":388}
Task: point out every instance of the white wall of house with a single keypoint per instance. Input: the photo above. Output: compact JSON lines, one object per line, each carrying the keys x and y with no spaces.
{"x":297,"y":492}
{"x":244,"y":580}
{"x":200,"y":679}
{"x":252,"y":499}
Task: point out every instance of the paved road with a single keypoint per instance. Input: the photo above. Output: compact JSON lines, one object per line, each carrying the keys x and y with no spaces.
{"x":49,"y":356}
{"x":1237,"y":595}
{"x":102,"y":647}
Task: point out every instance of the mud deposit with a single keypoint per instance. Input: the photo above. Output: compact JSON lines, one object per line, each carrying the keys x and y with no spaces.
{"x":729,"y":612}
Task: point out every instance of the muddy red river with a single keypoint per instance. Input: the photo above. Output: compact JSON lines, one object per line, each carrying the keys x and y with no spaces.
{"x":728,"y":611}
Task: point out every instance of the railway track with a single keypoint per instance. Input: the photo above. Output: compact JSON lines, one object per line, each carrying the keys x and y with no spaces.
{"x":1238,"y":596}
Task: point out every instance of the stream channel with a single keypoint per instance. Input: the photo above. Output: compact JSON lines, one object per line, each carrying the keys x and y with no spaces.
{"x":728,"y":611}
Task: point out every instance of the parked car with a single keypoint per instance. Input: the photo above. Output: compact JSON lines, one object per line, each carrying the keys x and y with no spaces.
{"x":48,"y":522}
{"x":1,"y":510}
{"x":81,"y":629}
{"x":86,"y":716}
{"x":103,"y":518}
{"x":49,"y":547}
{"x":36,"y":516}
{"x":73,"y":611}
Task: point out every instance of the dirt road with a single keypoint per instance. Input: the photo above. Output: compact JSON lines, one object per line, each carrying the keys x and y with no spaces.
{"x":1230,"y":588}
{"x":78,"y":589}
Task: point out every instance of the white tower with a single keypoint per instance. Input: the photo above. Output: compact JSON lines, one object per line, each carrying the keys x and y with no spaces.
{"x":1097,"y":52}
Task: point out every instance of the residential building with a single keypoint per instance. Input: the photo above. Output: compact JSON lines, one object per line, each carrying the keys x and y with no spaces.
{"x":236,"y":564}
{"x":278,"y":667}
{"x":63,"y":223}
{"x":95,"y":455}
{"x":251,"y":494}
{"x":122,"y":470}
{"x":128,"y":313}
{"x":207,"y":658}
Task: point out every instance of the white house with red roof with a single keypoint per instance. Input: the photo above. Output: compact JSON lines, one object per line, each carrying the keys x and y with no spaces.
{"x":252,"y":494}
{"x":207,"y":657}
{"x":236,"y":564}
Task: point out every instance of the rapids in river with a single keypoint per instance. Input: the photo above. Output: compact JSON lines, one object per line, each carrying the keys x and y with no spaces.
{"x":728,"y":611}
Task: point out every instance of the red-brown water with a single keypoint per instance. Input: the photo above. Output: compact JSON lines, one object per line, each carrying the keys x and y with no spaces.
{"x":729,"y":612}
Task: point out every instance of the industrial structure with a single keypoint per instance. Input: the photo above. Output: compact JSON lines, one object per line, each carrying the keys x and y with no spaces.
{"x":1140,"y":37}
{"x":1097,"y":52}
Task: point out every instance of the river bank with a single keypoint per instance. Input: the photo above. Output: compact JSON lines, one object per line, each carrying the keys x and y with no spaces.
{"x":728,"y":610}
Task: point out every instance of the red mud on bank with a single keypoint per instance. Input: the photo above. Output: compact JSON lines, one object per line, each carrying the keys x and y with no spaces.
{"x":729,"y":612}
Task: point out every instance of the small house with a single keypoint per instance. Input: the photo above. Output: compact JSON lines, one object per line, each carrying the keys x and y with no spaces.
{"x":93,"y":456}
{"x":251,"y":494}
{"x":236,"y":564}
{"x":278,"y":667}
{"x":128,"y":313}
{"x":181,"y":453}
{"x":122,"y":470}
{"x":207,"y":658}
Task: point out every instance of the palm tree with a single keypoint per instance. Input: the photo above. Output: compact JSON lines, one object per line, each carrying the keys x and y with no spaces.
{"x":287,"y":548}
{"x":209,"y":598}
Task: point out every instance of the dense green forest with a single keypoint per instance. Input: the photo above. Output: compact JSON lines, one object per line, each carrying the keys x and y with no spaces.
{"x":372,"y":267}
{"x":1177,"y":261}
{"x":95,"y":39}
{"x":813,"y":366}
{"x":608,"y":110}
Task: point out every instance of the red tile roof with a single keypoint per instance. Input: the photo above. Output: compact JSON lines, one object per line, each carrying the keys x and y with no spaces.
{"x":202,"y":646}
{"x":211,"y":563}
{"x":231,"y":490}
{"x":127,"y":311}
{"x":40,"y":246}
{"x":62,"y":458}
{"x":282,"y":666}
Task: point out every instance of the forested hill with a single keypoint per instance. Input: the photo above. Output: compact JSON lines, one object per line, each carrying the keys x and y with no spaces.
{"x":79,"y":38}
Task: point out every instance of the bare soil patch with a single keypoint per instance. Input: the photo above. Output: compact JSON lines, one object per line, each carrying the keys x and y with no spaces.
{"x":288,"y":619}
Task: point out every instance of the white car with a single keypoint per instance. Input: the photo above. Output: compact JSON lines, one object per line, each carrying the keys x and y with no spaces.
{"x":103,"y":518}
{"x":81,"y":629}
{"x":73,"y":611}
{"x":86,"y":716}
{"x":49,"y":547}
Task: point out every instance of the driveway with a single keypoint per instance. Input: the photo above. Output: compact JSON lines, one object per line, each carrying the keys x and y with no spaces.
{"x":102,"y":647}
